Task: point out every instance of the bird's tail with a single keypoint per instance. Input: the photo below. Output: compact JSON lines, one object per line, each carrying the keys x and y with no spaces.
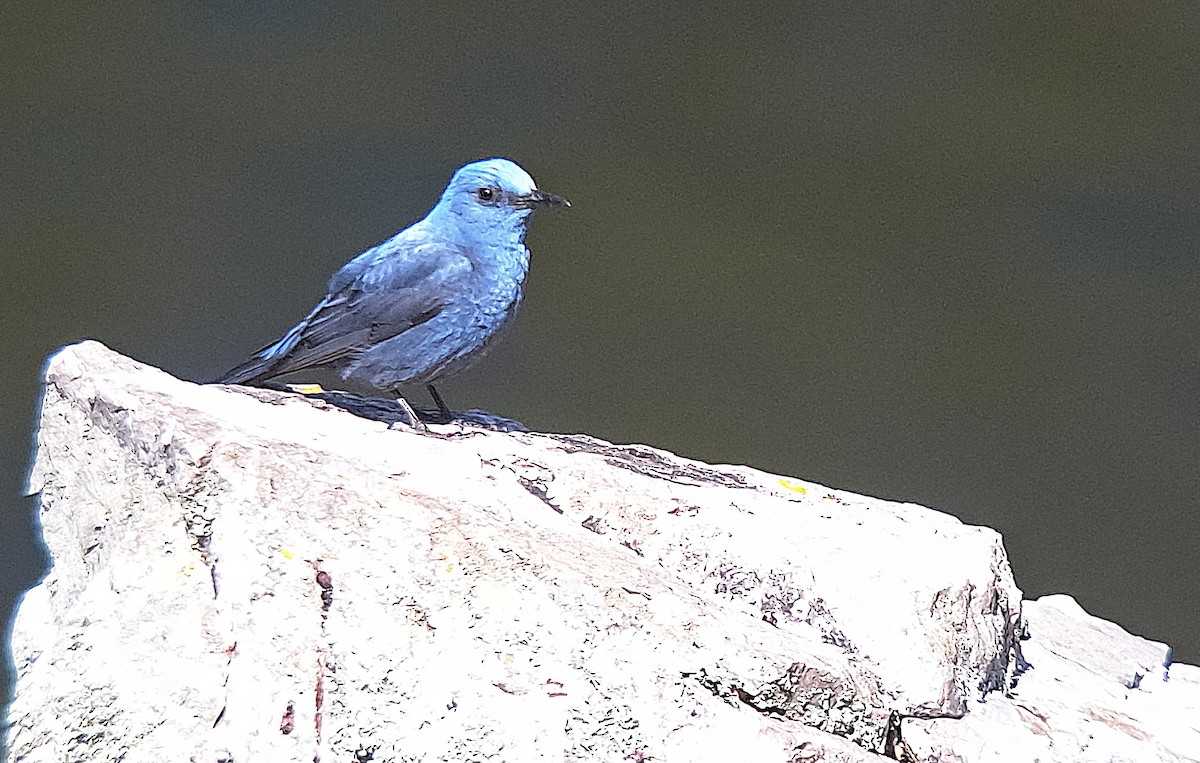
{"x":251,"y":372}
{"x":266,"y":362}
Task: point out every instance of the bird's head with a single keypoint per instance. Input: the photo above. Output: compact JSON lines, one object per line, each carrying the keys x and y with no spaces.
{"x":494,"y":193}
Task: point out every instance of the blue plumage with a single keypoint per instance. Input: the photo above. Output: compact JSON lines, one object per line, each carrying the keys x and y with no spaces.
{"x":428,"y":302}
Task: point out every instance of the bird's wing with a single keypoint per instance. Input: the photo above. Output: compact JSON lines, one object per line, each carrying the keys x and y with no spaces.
{"x":377,"y":295}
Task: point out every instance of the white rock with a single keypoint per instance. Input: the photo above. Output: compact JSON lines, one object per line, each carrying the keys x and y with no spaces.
{"x":1091,"y":692}
{"x":246,"y":575}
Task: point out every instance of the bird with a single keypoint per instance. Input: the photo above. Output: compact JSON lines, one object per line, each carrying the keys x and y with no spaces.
{"x":425,"y":304}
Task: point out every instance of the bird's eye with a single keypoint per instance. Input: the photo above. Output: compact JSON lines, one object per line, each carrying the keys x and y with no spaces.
{"x":486,"y":194}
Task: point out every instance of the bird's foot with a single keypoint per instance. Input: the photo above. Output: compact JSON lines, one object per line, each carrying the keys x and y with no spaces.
{"x":439,"y":417}
{"x":445,"y":415}
{"x":414,"y":421}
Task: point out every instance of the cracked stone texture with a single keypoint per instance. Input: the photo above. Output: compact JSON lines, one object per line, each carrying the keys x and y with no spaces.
{"x":248,"y":575}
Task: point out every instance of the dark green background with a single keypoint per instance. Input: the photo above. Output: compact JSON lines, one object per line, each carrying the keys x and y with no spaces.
{"x":945,"y":255}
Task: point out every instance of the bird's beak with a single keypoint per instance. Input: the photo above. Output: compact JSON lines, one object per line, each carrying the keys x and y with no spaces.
{"x":535,"y":199}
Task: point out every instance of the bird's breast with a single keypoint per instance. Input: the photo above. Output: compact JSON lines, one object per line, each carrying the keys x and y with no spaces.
{"x":499,"y":283}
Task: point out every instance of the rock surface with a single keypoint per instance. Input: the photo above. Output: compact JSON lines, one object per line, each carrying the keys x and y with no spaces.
{"x":248,"y":575}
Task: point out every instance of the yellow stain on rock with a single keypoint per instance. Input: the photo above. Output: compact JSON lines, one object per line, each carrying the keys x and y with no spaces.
{"x":794,"y":487}
{"x":305,"y":389}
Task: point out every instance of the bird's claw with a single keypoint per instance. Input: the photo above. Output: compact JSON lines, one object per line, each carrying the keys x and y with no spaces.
{"x":415,"y":422}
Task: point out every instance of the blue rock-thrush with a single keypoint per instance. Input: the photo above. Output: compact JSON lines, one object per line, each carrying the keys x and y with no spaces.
{"x":428,"y":302}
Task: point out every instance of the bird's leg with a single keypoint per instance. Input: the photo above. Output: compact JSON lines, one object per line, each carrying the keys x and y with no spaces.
{"x":415,"y":420}
{"x":447,"y":415}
